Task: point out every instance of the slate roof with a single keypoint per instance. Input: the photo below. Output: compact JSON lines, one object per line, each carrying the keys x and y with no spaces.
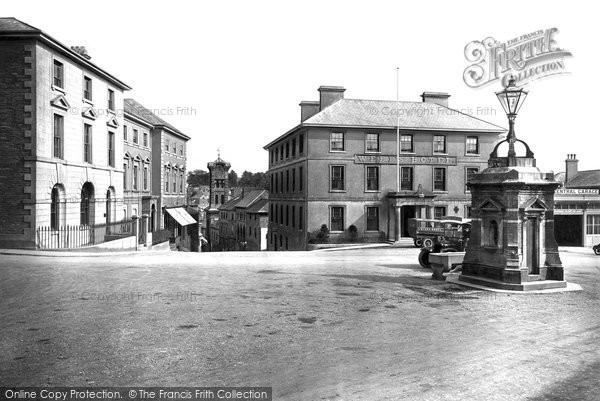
{"x":230,"y":204}
{"x":11,"y":27}
{"x":262,"y":206}
{"x":134,"y":108}
{"x":251,"y":197}
{"x":382,"y":114}
{"x":585,"y":179}
{"x":413,"y":115}
{"x":11,"y":24}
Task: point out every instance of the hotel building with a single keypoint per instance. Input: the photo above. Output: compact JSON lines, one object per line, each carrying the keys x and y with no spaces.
{"x":338,"y":167}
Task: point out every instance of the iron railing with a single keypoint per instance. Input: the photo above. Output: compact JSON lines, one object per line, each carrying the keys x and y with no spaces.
{"x":77,"y":236}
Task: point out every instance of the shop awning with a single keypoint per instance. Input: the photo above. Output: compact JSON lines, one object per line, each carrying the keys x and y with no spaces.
{"x":181,"y":216}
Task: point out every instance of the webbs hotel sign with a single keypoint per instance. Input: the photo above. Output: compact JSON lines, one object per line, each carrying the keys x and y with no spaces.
{"x":417,"y":160}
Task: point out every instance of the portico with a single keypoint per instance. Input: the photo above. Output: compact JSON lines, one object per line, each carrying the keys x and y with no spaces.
{"x":404,"y":205}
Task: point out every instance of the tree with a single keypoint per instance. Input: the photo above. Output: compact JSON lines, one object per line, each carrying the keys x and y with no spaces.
{"x":198,"y":177}
{"x":246,"y":180}
{"x":233,"y":179}
{"x":261,"y":181}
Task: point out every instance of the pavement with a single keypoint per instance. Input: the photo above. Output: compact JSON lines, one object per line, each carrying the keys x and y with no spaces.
{"x":362,"y":324}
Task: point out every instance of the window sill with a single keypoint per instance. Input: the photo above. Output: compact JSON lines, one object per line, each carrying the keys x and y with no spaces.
{"x":440,"y":153}
{"x":439,"y":192}
{"x":373,"y":152}
{"x":336,"y":151}
{"x":337,"y":190}
{"x":87,"y":101}
{"x":111,"y":111}
{"x":372,"y":191}
{"x":472,"y":155}
{"x":59,"y":89}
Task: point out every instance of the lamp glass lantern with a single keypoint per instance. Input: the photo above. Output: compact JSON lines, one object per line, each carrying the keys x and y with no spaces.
{"x":512,"y":98}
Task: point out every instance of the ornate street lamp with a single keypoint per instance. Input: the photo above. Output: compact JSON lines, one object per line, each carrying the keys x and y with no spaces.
{"x":511,"y":99}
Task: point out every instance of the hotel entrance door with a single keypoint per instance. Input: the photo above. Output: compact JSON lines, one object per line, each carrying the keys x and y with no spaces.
{"x":408,"y":212}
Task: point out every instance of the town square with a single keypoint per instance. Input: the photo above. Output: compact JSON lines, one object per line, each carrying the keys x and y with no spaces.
{"x":331,"y":325}
{"x":262,"y":200}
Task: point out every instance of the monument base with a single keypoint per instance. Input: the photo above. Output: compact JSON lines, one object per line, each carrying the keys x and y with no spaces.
{"x":524,"y":286}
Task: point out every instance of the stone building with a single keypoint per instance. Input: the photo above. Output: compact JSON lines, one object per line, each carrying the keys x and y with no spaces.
{"x":239,"y":220}
{"x":168,"y":170}
{"x":137,"y":166}
{"x":59,"y":125}
{"x":577,"y":205}
{"x":338,"y":167}
{"x":226,"y":226}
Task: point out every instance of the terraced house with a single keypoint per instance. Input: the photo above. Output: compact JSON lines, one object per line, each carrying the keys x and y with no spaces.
{"x":338,"y":167}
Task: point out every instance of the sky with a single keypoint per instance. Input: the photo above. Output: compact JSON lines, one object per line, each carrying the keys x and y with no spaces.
{"x":230,"y":74}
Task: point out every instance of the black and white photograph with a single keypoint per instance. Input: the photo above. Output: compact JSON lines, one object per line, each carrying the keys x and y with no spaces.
{"x":299,"y":200}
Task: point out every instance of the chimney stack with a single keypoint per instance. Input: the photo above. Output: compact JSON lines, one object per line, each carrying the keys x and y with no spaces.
{"x":328,"y":95}
{"x":82,"y":51}
{"x":440,"y":98}
{"x":570,"y":167}
{"x":308,"y":108}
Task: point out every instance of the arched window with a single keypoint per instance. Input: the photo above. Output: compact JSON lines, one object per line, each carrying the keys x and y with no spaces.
{"x":222,"y":198}
{"x":55,"y":209}
{"x":216,"y":199}
{"x":86,"y":207}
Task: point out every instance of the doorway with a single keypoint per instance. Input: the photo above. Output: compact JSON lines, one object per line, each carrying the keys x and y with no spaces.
{"x":407,"y":212}
{"x":152,"y":217}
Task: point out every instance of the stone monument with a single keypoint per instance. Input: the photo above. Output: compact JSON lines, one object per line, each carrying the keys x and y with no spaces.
{"x":512,"y":243}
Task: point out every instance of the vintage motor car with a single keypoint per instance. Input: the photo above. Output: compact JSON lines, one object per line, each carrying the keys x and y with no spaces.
{"x":444,"y":235}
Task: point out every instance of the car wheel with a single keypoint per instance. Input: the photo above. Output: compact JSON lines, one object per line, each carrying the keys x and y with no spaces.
{"x":597,"y":250}
{"x":428,"y":243}
{"x":424,"y":258}
{"x":418,"y":243}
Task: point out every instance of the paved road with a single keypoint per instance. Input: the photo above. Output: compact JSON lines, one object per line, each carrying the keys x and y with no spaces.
{"x":347,"y":325}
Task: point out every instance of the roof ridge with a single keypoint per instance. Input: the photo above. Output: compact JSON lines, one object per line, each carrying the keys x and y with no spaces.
{"x":382,"y":100}
{"x":468,"y":115}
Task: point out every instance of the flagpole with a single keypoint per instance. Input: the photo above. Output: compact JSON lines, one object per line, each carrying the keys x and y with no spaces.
{"x":397,"y":130}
